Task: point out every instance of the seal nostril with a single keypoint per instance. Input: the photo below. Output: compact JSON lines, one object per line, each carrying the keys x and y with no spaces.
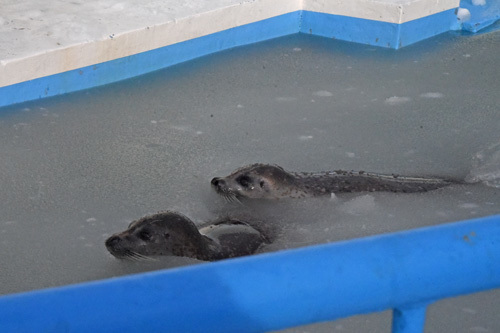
{"x":112,"y":241}
{"x":215,"y":181}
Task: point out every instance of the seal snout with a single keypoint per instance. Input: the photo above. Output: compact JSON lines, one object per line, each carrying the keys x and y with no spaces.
{"x":217,"y":182}
{"x":112,"y":241}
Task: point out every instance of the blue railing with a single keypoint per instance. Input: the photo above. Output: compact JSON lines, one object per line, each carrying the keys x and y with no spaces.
{"x":404,"y":271}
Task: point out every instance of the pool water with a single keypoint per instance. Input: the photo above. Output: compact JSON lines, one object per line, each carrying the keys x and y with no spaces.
{"x":80,"y":167}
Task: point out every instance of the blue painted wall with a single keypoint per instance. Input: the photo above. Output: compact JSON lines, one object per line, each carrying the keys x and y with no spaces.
{"x":333,"y":26}
{"x":384,"y":34}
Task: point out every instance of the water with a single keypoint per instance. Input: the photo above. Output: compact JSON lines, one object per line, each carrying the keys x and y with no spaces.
{"x":78,"y":168}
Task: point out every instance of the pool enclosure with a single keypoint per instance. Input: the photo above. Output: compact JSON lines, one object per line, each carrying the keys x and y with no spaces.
{"x":403,"y":271}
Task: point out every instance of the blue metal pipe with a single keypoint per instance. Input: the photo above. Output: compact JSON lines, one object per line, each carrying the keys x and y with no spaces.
{"x":276,"y":290}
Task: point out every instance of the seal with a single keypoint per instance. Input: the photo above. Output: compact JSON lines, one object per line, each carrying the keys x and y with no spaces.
{"x":173,"y":234}
{"x":264,"y":181}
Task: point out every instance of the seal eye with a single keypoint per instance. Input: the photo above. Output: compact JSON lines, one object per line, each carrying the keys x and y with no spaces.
{"x":262,"y":183}
{"x":244,"y":180}
{"x":144,"y":235}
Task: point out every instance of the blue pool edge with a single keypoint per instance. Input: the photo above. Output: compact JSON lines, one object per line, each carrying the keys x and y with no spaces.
{"x":376,"y":33}
{"x":277,"y":290}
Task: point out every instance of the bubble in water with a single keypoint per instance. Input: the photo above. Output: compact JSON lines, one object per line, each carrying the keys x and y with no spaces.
{"x":432,"y":95}
{"x":322,"y":93}
{"x":350,"y":155}
{"x":359,"y":205}
{"x":285,"y":99}
{"x":469,"y":310}
{"x":395,"y":100}
{"x":468,"y":205}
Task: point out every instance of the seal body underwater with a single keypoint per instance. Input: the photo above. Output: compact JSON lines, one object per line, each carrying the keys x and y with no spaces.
{"x":173,"y":234}
{"x":265,"y":181}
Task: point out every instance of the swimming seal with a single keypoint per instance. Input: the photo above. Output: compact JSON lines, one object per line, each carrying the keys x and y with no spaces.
{"x":173,"y":234}
{"x":264,"y":181}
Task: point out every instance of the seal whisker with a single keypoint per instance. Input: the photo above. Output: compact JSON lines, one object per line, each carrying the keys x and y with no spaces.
{"x":146,"y":258}
{"x":235,"y":198}
{"x":140,"y":257}
{"x":227,"y":197}
{"x":230,"y":197}
{"x":128,"y":256}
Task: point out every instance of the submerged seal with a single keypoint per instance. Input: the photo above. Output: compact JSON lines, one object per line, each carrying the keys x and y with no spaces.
{"x":264,"y":181}
{"x":173,"y":234}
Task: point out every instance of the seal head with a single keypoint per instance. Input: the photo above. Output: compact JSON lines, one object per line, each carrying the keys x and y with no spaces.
{"x":257,"y":181}
{"x":167,"y":233}
{"x":173,"y":234}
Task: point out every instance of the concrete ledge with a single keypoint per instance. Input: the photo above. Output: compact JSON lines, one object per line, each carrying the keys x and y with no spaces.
{"x":85,"y":47}
{"x":89,"y":43}
{"x":391,"y":11}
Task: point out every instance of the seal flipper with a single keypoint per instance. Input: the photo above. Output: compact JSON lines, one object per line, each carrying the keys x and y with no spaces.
{"x":235,"y":238}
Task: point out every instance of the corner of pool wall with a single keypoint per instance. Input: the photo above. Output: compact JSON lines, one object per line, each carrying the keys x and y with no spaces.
{"x":376,"y":32}
{"x":351,"y":29}
{"x":428,"y":26}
